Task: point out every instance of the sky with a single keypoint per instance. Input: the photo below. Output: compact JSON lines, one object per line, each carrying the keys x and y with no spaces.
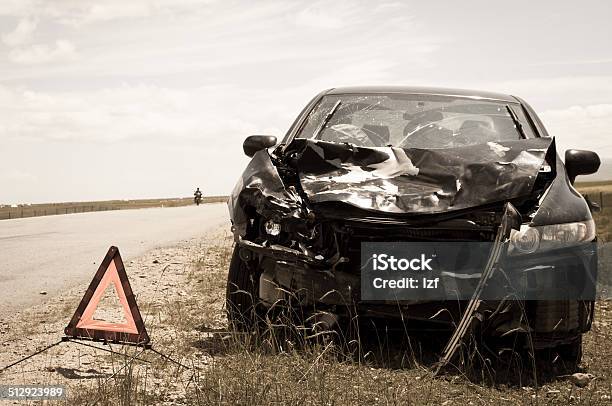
{"x":151,"y":98}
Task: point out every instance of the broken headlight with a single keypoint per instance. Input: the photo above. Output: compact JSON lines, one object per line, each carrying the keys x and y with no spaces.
{"x":272,"y":228}
{"x":530,"y":239}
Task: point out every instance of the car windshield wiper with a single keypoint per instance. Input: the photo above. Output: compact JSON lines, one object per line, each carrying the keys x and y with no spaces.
{"x":515,"y":120}
{"x":328,"y":116}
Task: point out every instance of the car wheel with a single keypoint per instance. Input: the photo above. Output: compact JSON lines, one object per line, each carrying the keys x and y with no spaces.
{"x":242,"y":295}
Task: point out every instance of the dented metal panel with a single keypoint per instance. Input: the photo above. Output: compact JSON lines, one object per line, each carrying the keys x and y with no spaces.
{"x":261,"y":188}
{"x":410,"y":180}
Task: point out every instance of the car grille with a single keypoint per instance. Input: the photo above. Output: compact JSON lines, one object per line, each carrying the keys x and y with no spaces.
{"x":354,"y":236}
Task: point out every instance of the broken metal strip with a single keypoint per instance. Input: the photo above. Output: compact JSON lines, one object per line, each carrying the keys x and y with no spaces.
{"x":279,"y":252}
{"x":475,"y":301}
{"x":510,"y":219}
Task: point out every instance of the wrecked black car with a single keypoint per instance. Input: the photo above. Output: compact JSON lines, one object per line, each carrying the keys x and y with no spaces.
{"x":397,"y":165}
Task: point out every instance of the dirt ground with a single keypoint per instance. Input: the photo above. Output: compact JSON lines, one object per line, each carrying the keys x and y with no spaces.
{"x":180,"y":291}
{"x":169,"y":297}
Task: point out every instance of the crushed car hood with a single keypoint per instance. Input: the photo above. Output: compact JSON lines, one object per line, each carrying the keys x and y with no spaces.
{"x":412,"y":180}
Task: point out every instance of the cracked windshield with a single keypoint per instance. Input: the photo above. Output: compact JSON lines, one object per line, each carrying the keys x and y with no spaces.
{"x":414,"y":121}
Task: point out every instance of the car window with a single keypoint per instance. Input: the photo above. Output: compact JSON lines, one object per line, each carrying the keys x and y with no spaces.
{"x":414,"y":121}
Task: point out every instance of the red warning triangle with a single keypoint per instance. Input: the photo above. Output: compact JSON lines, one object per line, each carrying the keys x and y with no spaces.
{"x":83,"y":324}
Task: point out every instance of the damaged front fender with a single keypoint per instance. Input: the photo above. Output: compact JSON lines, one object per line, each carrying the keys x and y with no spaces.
{"x":261,"y":189}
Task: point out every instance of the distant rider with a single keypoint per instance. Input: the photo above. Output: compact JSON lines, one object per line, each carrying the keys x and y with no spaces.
{"x":197,"y":196}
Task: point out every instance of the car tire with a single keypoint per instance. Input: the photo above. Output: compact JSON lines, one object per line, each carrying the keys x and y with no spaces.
{"x":242,"y":294}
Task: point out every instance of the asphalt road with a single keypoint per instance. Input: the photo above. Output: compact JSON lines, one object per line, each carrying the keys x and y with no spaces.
{"x":54,"y":253}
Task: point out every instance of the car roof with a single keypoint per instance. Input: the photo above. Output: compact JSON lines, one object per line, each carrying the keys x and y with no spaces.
{"x":437,"y":91}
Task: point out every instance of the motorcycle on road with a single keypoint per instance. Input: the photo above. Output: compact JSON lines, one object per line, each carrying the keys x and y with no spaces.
{"x":197,"y":197}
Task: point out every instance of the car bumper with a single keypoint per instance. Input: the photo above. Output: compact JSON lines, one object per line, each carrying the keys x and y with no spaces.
{"x":550,"y":308}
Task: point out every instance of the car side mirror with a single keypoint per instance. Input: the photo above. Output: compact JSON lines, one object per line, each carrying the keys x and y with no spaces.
{"x":256,"y":143}
{"x":580,"y":162}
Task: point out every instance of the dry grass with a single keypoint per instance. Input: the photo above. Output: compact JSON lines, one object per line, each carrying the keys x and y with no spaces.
{"x":272,"y":367}
{"x":596,"y":186}
{"x":281,"y":371}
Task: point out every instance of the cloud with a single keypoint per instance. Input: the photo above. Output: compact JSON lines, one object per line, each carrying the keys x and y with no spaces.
{"x":582,"y":127}
{"x":22,"y":32}
{"x":62,"y":50}
{"x":129,"y":113}
{"x":156,"y":140}
{"x":24,"y":53}
{"x":558,"y":91}
{"x":598,"y":61}
{"x":17,"y":8}
{"x":15,"y":175}
{"x":79,"y":13}
{"x":241,"y":42}
{"x":89,"y":13}
{"x":326,"y":16}
{"x":171,"y":88}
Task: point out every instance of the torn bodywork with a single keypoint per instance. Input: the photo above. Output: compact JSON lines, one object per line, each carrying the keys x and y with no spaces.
{"x":388,"y":180}
{"x":261,"y":191}
{"x":396,"y":180}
